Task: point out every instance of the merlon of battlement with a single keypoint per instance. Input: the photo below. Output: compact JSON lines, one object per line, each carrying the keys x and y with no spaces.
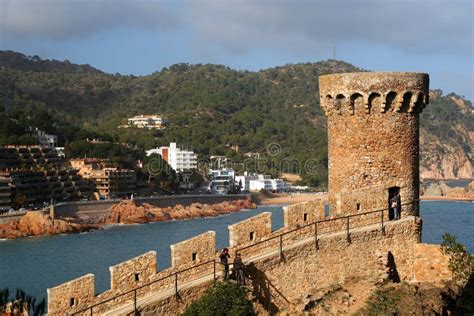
{"x":192,"y":251}
{"x":133,"y":272}
{"x":369,"y":92}
{"x":250,"y":230}
{"x":77,"y":292}
{"x":301,"y":214}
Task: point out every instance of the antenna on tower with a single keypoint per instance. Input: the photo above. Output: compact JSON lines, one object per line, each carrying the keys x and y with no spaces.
{"x":334,"y":57}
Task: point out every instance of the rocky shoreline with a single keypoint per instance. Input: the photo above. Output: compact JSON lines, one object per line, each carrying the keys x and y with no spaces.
{"x":35,"y":223}
{"x":442,"y":192}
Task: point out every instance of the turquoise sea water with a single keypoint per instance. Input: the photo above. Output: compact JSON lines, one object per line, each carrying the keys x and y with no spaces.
{"x":37,"y":263}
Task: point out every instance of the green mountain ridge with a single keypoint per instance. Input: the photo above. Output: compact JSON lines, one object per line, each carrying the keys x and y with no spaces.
{"x":213,"y":108}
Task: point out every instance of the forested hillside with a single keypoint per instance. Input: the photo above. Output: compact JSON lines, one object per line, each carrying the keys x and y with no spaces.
{"x":212,"y":108}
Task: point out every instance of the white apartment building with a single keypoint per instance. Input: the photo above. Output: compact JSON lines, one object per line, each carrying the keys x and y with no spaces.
{"x":222,"y":181}
{"x":147,"y":121}
{"x":47,"y":140}
{"x":179,"y":159}
{"x":257,"y":182}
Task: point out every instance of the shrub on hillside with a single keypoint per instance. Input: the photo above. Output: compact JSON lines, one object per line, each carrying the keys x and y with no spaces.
{"x":225,"y":298}
{"x":461,"y":263}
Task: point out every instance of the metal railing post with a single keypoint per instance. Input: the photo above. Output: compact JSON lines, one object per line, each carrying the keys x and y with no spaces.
{"x":383,"y":228}
{"x":316,"y":235}
{"x":176,"y":283}
{"x":214,"y":267}
{"x":281,"y":247}
{"x":348,"y":237}
{"x":135,"y":302}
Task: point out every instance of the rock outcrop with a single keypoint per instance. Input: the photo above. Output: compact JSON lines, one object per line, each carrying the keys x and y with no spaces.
{"x":453,"y":165}
{"x":441,"y":189}
{"x":128,"y":212}
{"x":35,"y":223}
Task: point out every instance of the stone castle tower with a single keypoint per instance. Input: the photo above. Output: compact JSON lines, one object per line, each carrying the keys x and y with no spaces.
{"x":373,"y":131}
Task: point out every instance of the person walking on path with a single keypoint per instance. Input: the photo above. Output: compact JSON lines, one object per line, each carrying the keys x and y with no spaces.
{"x":239,"y":269}
{"x":224,"y":256}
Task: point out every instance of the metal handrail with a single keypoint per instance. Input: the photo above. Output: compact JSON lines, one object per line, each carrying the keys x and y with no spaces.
{"x":280,"y":236}
{"x":134,"y":290}
{"x":347,"y":217}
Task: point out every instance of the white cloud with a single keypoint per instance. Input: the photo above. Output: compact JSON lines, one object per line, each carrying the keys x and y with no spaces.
{"x":239,"y":26}
{"x":416,"y":25}
{"x":68,"y":19}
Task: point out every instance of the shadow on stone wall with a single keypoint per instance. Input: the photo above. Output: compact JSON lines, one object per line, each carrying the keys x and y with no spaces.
{"x":392,"y":268}
{"x":264,"y":290}
{"x":465,"y":301}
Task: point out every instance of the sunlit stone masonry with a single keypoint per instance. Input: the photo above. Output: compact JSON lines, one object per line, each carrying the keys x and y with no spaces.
{"x":373,"y":129}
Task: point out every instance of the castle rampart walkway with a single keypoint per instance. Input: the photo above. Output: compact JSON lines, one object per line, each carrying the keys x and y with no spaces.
{"x":271,"y":252}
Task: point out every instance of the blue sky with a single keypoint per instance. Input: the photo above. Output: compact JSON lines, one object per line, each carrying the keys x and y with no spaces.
{"x":140,"y":37}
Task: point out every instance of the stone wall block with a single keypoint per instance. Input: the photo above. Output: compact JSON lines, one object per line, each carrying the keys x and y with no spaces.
{"x":301,"y":214}
{"x":193,"y":251}
{"x":134,"y":272}
{"x":71,"y":295}
{"x":250,"y":230}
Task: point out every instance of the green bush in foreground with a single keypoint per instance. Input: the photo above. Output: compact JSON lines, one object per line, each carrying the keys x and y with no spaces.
{"x":21,"y":303}
{"x":225,"y":298}
{"x":461,"y":263}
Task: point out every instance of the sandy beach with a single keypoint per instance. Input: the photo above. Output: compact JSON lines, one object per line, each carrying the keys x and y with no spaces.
{"x":446,"y":198}
{"x":287,"y":199}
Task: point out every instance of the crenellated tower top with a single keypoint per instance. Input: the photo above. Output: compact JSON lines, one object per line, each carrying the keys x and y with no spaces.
{"x":369,"y":92}
{"x":373,"y":131}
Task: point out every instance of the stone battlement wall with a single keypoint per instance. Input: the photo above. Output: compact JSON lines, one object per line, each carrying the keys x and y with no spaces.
{"x":285,"y":282}
{"x":196,"y":255}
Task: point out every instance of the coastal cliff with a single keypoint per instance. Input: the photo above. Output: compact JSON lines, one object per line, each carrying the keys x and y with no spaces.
{"x":443,"y":191}
{"x":446,"y":138}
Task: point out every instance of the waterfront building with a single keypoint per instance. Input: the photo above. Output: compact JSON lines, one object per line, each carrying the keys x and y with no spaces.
{"x":147,"y":121}
{"x":37,"y":174}
{"x":222,"y":181}
{"x":109,"y":181}
{"x":185,"y":181}
{"x":60,"y":152}
{"x":27,"y":187}
{"x":47,"y":140}
{"x":13,"y":157}
{"x":218,"y":162}
{"x":178,"y":158}
{"x":85,"y":165}
{"x":257,"y":182}
{"x":5,"y":193}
